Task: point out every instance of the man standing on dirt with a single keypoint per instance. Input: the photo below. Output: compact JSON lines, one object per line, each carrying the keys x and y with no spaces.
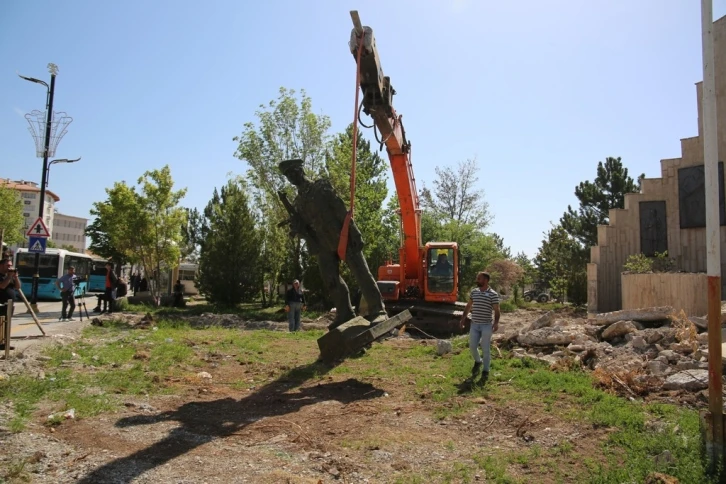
{"x":294,"y":305}
{"x":484,"y":306}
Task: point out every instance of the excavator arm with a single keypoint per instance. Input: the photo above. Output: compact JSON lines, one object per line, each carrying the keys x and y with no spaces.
{"x":378,"y":104}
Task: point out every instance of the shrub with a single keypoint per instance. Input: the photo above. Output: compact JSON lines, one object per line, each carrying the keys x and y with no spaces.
{"x":641,"y":264}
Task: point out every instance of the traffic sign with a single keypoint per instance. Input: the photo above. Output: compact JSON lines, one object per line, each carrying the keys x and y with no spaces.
{"x":38,"y":229}
{"x":37,"y":244}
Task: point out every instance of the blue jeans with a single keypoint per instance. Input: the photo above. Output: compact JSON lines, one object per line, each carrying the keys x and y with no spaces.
{"x":481,"y":334}
{"x":293,"y":316}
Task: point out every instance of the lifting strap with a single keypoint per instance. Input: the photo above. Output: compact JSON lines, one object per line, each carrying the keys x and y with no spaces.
{"x":343,"y":241}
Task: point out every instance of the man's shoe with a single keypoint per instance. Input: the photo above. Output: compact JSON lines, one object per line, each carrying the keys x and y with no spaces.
{"x":70,"y":319}
{"x":475,"y":370}
{"x":484,"y":378}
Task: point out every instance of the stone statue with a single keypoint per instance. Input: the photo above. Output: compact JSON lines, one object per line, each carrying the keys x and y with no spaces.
{"x":317,"y":215}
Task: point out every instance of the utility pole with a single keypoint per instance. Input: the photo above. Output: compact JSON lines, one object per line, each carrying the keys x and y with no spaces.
{"x":714,"y":418}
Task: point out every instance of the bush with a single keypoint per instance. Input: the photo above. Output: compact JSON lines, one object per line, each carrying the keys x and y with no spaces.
{"x":507,"y":306}
{"x":642,"y":264}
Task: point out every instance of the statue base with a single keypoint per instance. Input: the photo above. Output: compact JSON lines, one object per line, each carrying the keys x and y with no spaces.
{"x":352,"y":336}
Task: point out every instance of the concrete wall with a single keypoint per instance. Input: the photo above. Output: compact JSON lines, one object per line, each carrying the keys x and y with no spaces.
{"x":686,"y":291}
{"x":621,"y":238}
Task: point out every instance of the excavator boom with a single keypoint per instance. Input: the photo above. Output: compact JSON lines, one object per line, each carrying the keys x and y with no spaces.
{"x":378,"y":103}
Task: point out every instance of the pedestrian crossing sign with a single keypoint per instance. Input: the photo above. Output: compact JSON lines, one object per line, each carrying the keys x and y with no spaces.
{"x":37,"y":245}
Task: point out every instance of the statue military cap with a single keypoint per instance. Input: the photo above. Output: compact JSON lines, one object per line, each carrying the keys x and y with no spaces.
{"x":288,"y":165}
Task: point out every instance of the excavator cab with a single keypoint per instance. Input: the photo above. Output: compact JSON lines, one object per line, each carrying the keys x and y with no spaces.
{"x":442,"y":271}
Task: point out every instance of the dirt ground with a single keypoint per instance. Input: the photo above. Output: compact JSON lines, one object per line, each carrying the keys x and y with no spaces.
{"x":338,"y":429}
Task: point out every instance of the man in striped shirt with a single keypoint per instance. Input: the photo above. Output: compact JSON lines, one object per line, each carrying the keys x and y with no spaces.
{"x":484,"y":306}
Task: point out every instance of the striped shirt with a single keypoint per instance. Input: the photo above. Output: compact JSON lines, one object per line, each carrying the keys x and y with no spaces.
{"x":482,"y":311}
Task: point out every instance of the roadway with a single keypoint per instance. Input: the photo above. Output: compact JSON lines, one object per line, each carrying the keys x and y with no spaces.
{"x":24,"y":330}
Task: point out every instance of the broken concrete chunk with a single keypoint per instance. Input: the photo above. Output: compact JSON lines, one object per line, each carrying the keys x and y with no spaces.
{"x":617,"y":329}
{"x":639,"y":342}
{"x":691,"y":380}
{"x":543,"y":321}
{"x":658,"y":368}
{"x":640,"y":315}
{"x":547,"y":337}
{"x":443,"y":347}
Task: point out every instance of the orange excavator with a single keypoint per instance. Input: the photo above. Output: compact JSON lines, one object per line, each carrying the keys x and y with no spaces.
{"x":426,"y":279}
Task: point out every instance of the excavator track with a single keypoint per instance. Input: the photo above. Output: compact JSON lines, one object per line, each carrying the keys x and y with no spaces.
{"x":437,"y":319}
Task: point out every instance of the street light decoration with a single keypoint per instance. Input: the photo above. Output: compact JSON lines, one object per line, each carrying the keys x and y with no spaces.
{"x":58,"y":128}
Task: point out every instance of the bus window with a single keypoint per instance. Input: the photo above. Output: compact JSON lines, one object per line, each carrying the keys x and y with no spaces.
{"x":25,"y":264}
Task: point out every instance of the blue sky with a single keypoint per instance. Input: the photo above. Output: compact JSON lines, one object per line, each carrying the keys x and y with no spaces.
{"x":538,"y":91}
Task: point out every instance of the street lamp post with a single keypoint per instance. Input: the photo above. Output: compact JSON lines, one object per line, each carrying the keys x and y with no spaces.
{"x":62,"y":160}
{"x":53,"y":69}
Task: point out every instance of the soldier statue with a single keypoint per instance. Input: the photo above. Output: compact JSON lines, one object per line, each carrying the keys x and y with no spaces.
{"x":317,"y":215}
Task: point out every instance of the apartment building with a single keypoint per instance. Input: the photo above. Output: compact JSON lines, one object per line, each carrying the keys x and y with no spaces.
{"x":30,"y":193}
{"x":69,"y":230}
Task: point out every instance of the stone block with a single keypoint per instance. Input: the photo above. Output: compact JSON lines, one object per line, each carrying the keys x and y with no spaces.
{"x":352,"y":336}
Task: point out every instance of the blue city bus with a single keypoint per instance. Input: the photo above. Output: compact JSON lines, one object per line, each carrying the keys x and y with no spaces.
{"x":97,"y":276}
{"x":53,"y":264}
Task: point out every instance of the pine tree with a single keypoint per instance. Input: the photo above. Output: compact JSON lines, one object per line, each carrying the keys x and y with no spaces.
{"x":230,"y":247}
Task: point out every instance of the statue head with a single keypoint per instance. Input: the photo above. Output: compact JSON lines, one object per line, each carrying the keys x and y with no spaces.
{"x":293,"y":170}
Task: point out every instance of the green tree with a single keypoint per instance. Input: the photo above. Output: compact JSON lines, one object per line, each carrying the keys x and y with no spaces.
{"x":597,"y":198}
{"x":11,"y":216}
{"x":191,"y":232}
{"x":456,"y":197}
{"x":166,"y":218}
{"x":286,"y":128}
{"x":141,"y":226}
{"x":529,"y":272}
{"x":229,"y":268}
{"x":561,"y":265}
{"x":370,"y":194}
{"x":100,"y":238}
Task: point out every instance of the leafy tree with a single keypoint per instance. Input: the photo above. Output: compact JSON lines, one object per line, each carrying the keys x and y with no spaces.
{"x":505,"y":273}
{"x":68,"y":247}
{"x":285,"y":128}
{"x":161,"y":206}
{"x":101,"y":240}
{"x":11,"y":216}
{"x":561,"y":265}
{"x":229,"y":269}
{"x":597,"y":198}
{"x":529,"y":272}
{"x":50,"y":244}
{"x":456,"y":196}
{"x":142,"y":227}
{"x":191,"y":232}
{"x":370,"y":194}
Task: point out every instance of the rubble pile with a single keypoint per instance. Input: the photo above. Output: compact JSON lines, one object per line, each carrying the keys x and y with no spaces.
{"x":657,"y":348}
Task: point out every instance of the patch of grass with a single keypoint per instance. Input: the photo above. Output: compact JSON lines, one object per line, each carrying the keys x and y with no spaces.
{"x":88,"y":374}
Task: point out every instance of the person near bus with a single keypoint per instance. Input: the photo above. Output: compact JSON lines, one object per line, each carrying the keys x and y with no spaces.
{"x":66,"y":284}
{"x":110,"y":293}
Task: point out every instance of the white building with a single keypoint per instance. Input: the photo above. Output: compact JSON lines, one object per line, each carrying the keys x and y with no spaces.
{"x":69,"y":230}
{"x":30,"y":193}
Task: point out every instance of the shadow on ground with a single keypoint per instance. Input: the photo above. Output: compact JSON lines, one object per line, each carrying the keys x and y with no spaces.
{"x":203,"y":422}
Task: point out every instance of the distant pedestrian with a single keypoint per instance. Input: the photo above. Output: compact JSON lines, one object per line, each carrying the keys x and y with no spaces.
{"x":66,"y":284}
{"x":294,"y":305}
{"x":484,"y":306}
{"x":110,"y":293}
